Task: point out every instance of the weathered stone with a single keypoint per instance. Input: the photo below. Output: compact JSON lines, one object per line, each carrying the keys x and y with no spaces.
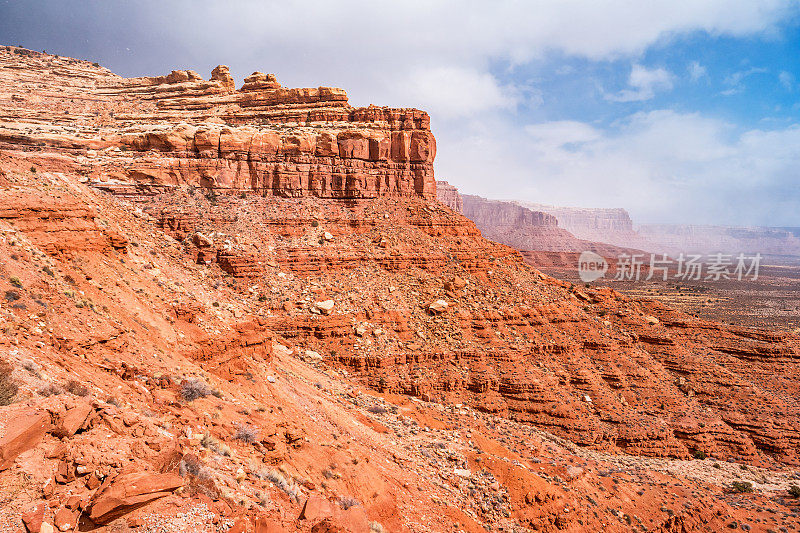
{"x":127,"y":491}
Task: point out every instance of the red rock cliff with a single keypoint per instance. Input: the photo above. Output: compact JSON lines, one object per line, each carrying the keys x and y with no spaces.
{"x":182,"y":130}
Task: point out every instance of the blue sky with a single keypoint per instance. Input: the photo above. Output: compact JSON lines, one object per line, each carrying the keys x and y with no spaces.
{"x":680,"y":111}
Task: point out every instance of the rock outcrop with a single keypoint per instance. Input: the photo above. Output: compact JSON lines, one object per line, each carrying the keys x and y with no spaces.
{"x":449,"y":196}
{"x":613,"y":225}
{"x":182,"y":130}
{"x":529,"y":231}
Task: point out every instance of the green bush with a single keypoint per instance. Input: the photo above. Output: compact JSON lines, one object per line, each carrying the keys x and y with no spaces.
{"x":741,"y":487}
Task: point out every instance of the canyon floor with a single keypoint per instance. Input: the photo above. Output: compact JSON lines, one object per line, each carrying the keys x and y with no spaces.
{"x":771,"y":301}
{"x":246,"y":311}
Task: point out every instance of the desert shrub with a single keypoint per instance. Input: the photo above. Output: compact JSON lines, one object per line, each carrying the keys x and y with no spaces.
{"x":376,"y":409}
{"x":314,"y":223}
{"x":741,"y":487}
{"x":699,"y":454}
{"x":51,"y":389}
{"x":276,"y":478}
{"x":794,"y":491}
{"x":14,"y":280}
{"x":246,"y":434}
{"x":191,"y":466}
{"x":74,"y":387}
{"x":31,"y":367}
{"x":112,"y":401}
{"x":192,"y":389}
{"x":346,"y":502}
{"x":8,"y":386}
{"x":208,"y":441}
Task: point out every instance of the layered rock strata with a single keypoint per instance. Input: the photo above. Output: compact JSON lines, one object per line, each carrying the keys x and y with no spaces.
{"x":182,"y":130}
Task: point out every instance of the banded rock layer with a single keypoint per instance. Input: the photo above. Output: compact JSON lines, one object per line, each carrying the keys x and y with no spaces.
{"x":182,"y":130}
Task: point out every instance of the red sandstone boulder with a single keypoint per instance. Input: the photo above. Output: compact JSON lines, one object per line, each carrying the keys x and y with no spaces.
{"x":265,"y":525}
{"x":65,"y":519}
{"x":24,"y":431}
{"x":34,"y":517}
{"x":316,"y":508}
{"x":72,"y":420}
{"x":126,"y":492}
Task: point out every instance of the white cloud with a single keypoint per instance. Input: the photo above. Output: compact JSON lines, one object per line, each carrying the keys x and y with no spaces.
{"x":376,"y":49}
{"x":787,"y":80}
{"x":644,"y":83}
{"x":662,"y":165}
{"x":697,"y":71}
{"x":452,"y":92}
{"x":736,"y":80}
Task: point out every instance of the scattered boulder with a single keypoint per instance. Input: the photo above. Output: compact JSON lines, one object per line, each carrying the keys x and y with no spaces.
{"x":126,"y":492}
{"x":438,"y":307}
{"x":23,"y":432}
{"x":65,"y":519}
{"x":316,"y":508}
{"x":311,"y":356}
{"x":72,"y":420}
{"x":34,"y":517}
{"x":325,"y":307}
{"x":455,"y":284}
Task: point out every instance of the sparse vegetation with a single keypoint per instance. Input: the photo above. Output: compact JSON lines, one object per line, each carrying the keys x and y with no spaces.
{"x":346,"y":502}
{"x":14,"y":280}
{"x":699,"y":454}
{"x":329,"y":473}
{"x":51,"y":389}
{"x":741,"y":487}
{"x":8,"y":386}
{"x":290,"y":488}
{"x":794,"y":491}
{"x":12,"y":296}
{"x":246,"y":434}
{"x":208,"y":441}
{"x":192,"y":389}
{"x":74,"y":387}
{"x":376,"y":409}
{"x":314,"y":223}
